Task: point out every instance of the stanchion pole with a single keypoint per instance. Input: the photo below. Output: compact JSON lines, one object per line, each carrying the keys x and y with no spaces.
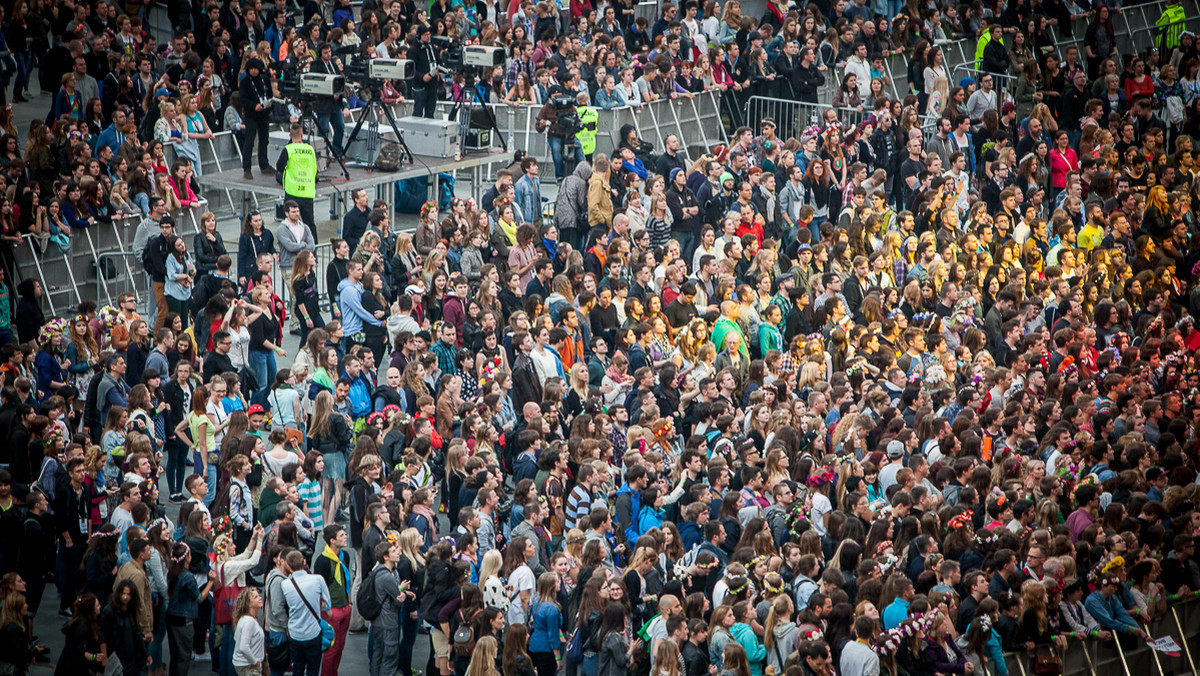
{"x":1087,"y":657}
{"x":1154,"y":653}
{"x":1121,"y":653}
{"x":1183,"y":636}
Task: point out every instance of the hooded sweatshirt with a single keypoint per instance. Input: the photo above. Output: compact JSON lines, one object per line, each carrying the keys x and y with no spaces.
{"x":785,"y":637}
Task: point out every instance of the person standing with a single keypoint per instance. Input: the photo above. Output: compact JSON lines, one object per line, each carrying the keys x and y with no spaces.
{"x":385,"y":630}
{"x":72,"y":513}
{"x":329,"y":109}
{"x":306,"y":595}
{"x":297,"y":171}
{"x":292,"y":236}
{"x":255,"y":94}
{"x":248,"y":637}
{"x":425,"y":84}
{"x":334,"y":567}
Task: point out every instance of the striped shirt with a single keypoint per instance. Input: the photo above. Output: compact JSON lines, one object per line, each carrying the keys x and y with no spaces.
{"x":310,"y":496}
{"x":579,"y":505}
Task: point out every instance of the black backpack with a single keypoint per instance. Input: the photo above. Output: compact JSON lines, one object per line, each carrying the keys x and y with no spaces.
{"x":368,"y":602}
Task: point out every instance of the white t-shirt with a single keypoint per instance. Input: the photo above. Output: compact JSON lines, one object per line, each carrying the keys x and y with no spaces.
{"x":821,"y":507}
{"x":239,"y":352}
{"x":521,"y":580}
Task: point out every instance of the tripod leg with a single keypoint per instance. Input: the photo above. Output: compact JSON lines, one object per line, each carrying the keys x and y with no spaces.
{"x":328,"y":143}
{"x":358,"y":125}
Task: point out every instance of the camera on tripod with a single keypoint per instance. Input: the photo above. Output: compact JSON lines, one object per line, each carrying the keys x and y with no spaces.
{"x":457,"y":56}
{"x":305,"y":86}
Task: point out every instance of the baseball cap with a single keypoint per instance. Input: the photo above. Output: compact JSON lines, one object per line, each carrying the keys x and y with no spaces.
{"x":895,"y":449}
{"x":782,"y":278}
{"x":804,"y":247}
{"x":255,"y":409}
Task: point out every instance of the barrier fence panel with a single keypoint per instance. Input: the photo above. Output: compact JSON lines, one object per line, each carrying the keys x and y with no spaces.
{"x":1090,"y":656}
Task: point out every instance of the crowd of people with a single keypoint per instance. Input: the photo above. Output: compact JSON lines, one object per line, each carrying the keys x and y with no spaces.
{"x":821,"y":400}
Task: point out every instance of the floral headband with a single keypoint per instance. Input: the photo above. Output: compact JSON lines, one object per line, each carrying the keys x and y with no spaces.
{"x":820,"y":478}
{"x":427,"y":207}
{"x":960,"y":521}
{"x":986,"y":537}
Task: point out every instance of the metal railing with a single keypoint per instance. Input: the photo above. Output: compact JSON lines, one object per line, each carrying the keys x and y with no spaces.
{"x":1090,"y":656}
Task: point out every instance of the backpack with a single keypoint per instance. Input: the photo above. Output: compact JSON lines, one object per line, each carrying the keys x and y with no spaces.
{"x":367,"y":601}
{"x":389,"y":157}
{"x":464,"y":637}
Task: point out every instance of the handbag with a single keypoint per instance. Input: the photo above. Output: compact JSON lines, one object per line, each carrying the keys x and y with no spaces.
{"x":327,"y":635}
{"x":225,"y":599}
{"x":1047,"y":665}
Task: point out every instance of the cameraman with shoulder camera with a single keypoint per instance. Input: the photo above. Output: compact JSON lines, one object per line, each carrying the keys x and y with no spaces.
{"x":560,"y":121}
{"x":425,"y":84}
{"x":329,"y":110}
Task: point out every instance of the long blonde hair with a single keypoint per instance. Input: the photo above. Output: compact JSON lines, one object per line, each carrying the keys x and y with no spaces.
{"x":490,"y":566}
{"x":322,"y":411}
{"x":410,"y":541}
{"x":483,"y":658}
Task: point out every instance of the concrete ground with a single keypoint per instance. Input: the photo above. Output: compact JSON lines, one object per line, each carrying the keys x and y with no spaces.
{"x":47,"y":624}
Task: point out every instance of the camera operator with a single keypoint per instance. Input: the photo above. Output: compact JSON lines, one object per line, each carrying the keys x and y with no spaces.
{"x":558,"y":119}
{"x":329,"y":110}
{"x":425,"y":84}
{"x":255,"y":92}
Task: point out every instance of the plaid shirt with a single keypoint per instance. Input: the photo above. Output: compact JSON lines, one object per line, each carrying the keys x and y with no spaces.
{"x":515,"y":68}
{"x":900,"y":271}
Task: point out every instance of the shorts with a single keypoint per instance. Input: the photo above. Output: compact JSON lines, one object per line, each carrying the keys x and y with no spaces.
{"x":441,"y":643}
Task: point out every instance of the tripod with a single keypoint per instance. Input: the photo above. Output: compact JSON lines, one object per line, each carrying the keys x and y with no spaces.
{"x":375,"y":100}
{"x":464,"y":107}
{"x":307,"y":116}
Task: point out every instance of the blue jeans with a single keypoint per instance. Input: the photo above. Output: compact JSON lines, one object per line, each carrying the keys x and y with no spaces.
{"x":210,"y":477}
{"x":306,"y":657}
{"x":814,"y":226}
{"x":263,"y":365}
{"x":23,"y":60}
{"x":687,"y":243}
{"x":556,"y":153}
{"x":176,"y":467}
{"x":339,"y":128}
{"x":408,"y":638}
{"x":425,"y":99}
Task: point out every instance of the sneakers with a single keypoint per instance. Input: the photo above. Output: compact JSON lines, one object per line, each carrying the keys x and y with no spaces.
{"x":202,"y":657}
{"x":247,"y":175}
{"x":64,"y":612}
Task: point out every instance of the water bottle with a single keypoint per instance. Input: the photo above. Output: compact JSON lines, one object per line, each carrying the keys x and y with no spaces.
{"x":510,"y":141}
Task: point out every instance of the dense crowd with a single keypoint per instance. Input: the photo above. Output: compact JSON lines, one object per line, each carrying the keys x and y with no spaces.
{"x":827,"y":399}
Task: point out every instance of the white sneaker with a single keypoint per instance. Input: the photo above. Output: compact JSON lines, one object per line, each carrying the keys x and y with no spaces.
{"x":202,"y":657}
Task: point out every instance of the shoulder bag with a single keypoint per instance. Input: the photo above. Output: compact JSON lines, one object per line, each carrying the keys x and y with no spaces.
{"x":327,"y":635}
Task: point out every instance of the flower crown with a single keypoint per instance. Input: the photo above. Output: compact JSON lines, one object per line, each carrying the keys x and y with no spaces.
{"x":889,"y":641}
{"x":773,"y":589}
{"x":986,"y":537}
{"x":56,"y":326}
{"x":427,"y":207}
{"x":985,"y":622}
{"x":818,"y":479}
{"x":739,"y":588}
{"x":961,"y":520}
{"x":109,"y":316}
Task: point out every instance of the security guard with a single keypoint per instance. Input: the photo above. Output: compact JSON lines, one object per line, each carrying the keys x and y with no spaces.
{"x":588,"y":117}
{"x":297,"y":169}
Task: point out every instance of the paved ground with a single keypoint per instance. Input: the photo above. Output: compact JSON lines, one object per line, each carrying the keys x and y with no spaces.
{"x":47,"y":624}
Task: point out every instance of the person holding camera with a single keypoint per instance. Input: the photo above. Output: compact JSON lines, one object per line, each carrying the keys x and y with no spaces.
{"x":425,"y":84}
{"x":329,"y":110}
{"x":255,"y":93}
{"x":559,"y":120}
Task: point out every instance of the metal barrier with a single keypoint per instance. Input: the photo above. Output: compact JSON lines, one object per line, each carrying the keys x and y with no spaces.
{"x":1089,"y":656}
{"x":793,"y":117}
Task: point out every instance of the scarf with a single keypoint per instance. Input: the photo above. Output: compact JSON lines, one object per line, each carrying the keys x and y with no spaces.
{"x":615,"y":376}
{"x":551,"y":246}
{"x":424,"y":511}
{"x":338,"y":575}
{"x":509,"y":228}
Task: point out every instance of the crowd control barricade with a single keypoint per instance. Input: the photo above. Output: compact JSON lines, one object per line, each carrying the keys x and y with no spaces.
{"x":1089,"y":656}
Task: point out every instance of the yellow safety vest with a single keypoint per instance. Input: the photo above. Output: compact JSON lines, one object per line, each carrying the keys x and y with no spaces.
{"x":300,"y":174}
{"x":587,"y":136}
